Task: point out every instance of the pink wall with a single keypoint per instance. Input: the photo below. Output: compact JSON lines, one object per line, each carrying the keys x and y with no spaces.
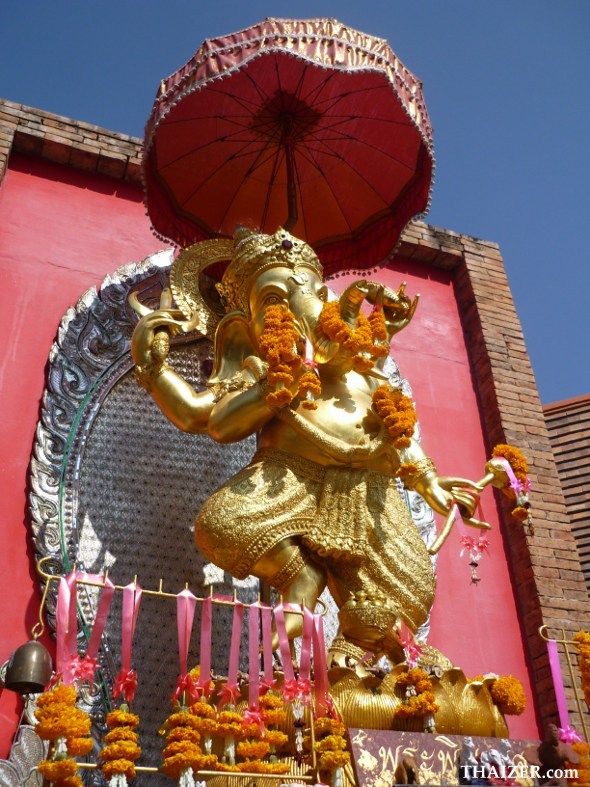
{"x":61,"y":231}
{"x":476,"y":626}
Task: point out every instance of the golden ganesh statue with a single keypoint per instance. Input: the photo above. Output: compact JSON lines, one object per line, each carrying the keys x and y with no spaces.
{"x":318,"y":505}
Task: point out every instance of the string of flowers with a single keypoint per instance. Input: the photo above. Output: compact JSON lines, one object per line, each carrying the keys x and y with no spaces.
{"x":520,"y":485}
{"x":309,"y":388}
{"x":331,"y":747}
{"x":67,"y":728}
{"x":121,"y":750}
{"x":582,"y":640}
{"x":273,"y":715}
{"x":278,"y":346}
{"x":230,"y":728}
{"x":204,"y":723}
{"x":398,"y":414}
{"x":182,"y":754}
{"x":582,"y":771}
{"x":379,"y":330}
{"x":364,"y":341}
{"x":508,"y":694}
{"x":419,"y":701}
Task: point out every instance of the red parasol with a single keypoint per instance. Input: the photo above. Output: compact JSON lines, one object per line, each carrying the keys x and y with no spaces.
{"x":302,"y":123}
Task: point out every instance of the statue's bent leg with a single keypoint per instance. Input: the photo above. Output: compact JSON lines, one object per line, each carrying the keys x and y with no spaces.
{"x":298,"y":578}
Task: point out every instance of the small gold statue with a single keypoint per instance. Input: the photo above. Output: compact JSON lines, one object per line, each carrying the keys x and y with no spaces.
{"x":318,"y":505}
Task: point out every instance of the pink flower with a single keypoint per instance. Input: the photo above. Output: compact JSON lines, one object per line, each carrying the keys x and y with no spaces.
{"x":83,"y":669}
{"x":228,"y":694}
{"x":126,"y":684}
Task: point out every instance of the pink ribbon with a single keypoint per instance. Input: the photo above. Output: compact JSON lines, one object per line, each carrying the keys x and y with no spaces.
{"x":66,"y":627}
{"x":309,"y":360}
{"x":131,"y":601}
{"x":254,"y":656}
{"x":229,"y":691}
{"x":185,"y":614}
{"x":320,"y":666}
{"x":101,"y":613}
{"x":284,"y":645}
{"x":204,"y":683}
{"x":267,"y":658}
{"x":566,"y":732}
{"x":186,"y":604}
{"x":517,"y":485}
{"x":84,"y":669}
{"x":306,"y":644}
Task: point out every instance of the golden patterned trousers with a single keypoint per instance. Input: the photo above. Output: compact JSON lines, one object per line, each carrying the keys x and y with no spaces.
{"x":353,"y":521}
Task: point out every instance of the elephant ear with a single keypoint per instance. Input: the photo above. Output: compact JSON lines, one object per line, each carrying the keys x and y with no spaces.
{"x":233,"y":344}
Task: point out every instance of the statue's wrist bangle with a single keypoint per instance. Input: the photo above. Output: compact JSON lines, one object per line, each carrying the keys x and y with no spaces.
{"x":412,"y":473}
{"x":145,"y":375}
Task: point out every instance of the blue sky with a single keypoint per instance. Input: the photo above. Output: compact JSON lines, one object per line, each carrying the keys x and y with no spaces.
{"x":507,"y":89}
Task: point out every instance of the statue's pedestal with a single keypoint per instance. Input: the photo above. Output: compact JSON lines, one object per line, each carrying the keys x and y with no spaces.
{"x":383,"y":758}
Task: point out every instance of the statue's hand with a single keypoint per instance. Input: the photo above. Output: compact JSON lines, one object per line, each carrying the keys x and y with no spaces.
{"x":442,"y":492}
{"x":465,"y":494}
{"x":150,"y":343}
{"x":398,"y":309}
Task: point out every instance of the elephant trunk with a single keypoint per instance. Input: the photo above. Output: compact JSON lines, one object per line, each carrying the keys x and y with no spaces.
{"x":351,"y":300}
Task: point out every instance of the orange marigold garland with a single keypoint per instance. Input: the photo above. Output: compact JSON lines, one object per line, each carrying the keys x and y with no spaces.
{"x":183,"y":754}
{"x":121,"y":751}
{"x":278,"y":346}
{"x":360,"y":340}
{"x":253,"y":742}
{"x":67,"y":728}
{"x":309,"y":388}
{"x":398,"y":414}
{"x":582,"y":640}
{"x":273,"y":710}
{"x":508,"y":694}
{"x":379,"y":330}
{"x":515,"y":459}
{"x":520,"y":484}
{"x":273,"y":714}
{"x":331,"y":747}
{"x":230,"y":728}
{"x":583,"y":769}
{"x":205,"y":722}
{"x":419,"y":698}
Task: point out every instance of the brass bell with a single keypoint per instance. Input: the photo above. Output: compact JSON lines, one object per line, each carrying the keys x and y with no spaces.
{"x":29,"y":669}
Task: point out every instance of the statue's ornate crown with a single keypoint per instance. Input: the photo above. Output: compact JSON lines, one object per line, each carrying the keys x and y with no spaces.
{"x":255,"y":253}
